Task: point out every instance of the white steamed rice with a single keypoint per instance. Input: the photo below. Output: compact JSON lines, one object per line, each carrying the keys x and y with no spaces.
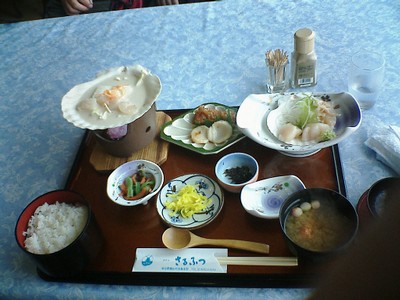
{"x":55,"y":226}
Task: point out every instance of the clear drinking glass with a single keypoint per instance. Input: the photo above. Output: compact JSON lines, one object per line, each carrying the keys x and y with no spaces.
{"x":366,"y":76}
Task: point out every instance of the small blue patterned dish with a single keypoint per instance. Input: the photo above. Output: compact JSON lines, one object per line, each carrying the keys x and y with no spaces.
{"x":264,"y":198}
{"x":204,"y":185}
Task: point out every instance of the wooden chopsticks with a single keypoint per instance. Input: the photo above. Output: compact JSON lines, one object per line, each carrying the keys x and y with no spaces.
{"x":258,"y":261}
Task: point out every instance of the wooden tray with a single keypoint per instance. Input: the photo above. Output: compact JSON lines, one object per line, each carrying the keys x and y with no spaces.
{"x":128,"y":228}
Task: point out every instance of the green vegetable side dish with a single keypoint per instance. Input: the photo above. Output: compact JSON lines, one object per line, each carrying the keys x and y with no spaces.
{"x":137,"y":186}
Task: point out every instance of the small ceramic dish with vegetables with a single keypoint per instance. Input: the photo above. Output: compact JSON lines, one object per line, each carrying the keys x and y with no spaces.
{"x":134,"y":183}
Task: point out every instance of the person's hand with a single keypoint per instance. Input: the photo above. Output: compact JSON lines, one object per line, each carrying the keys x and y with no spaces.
{"x":167,"y":2}
{"x":75,"y":7}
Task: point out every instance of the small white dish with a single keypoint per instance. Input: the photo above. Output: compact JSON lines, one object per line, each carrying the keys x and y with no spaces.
{"x":264,"y":198}
{"x":118,"y":176}
{"x":206,"y":186}
{"x":253,"y":119}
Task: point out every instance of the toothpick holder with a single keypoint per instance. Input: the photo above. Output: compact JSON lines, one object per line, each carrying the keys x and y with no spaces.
{"x":277,"y":77}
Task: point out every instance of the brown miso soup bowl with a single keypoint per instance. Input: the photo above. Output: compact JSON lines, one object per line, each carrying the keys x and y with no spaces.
{"x":140,"y":133}
{"x":318,"y":223}
{"x":382,"y":194}
{"x":75,"y":252}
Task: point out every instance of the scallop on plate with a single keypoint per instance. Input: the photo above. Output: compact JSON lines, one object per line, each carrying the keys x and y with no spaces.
{"x":299,"y":124}
{"x":204,"y":136}
{"x":114,"y":98}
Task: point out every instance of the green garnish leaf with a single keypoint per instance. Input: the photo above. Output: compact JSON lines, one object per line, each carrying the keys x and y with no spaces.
{"x":327,"y":135}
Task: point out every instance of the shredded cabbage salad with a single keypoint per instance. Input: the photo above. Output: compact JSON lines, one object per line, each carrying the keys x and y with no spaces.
{"x":302,"y":112}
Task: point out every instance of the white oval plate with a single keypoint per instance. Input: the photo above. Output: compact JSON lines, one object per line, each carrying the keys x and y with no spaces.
{"x":264,"y":198}
{"x":253,"y":114}
{"x":207,"y":186}
{"x":145,"y":86}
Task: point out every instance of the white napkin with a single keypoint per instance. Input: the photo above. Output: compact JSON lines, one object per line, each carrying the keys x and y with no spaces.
{"x":386,"y":143}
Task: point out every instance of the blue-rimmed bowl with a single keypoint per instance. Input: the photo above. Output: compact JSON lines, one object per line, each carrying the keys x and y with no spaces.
{"x":233,"y":161}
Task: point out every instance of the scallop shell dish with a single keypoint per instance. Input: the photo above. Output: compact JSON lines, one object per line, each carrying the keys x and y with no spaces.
{"x":114,"y":98}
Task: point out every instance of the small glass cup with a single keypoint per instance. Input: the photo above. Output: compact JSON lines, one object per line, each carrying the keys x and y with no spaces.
{"x":366,"y":75}
{"x":277,"y":77}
